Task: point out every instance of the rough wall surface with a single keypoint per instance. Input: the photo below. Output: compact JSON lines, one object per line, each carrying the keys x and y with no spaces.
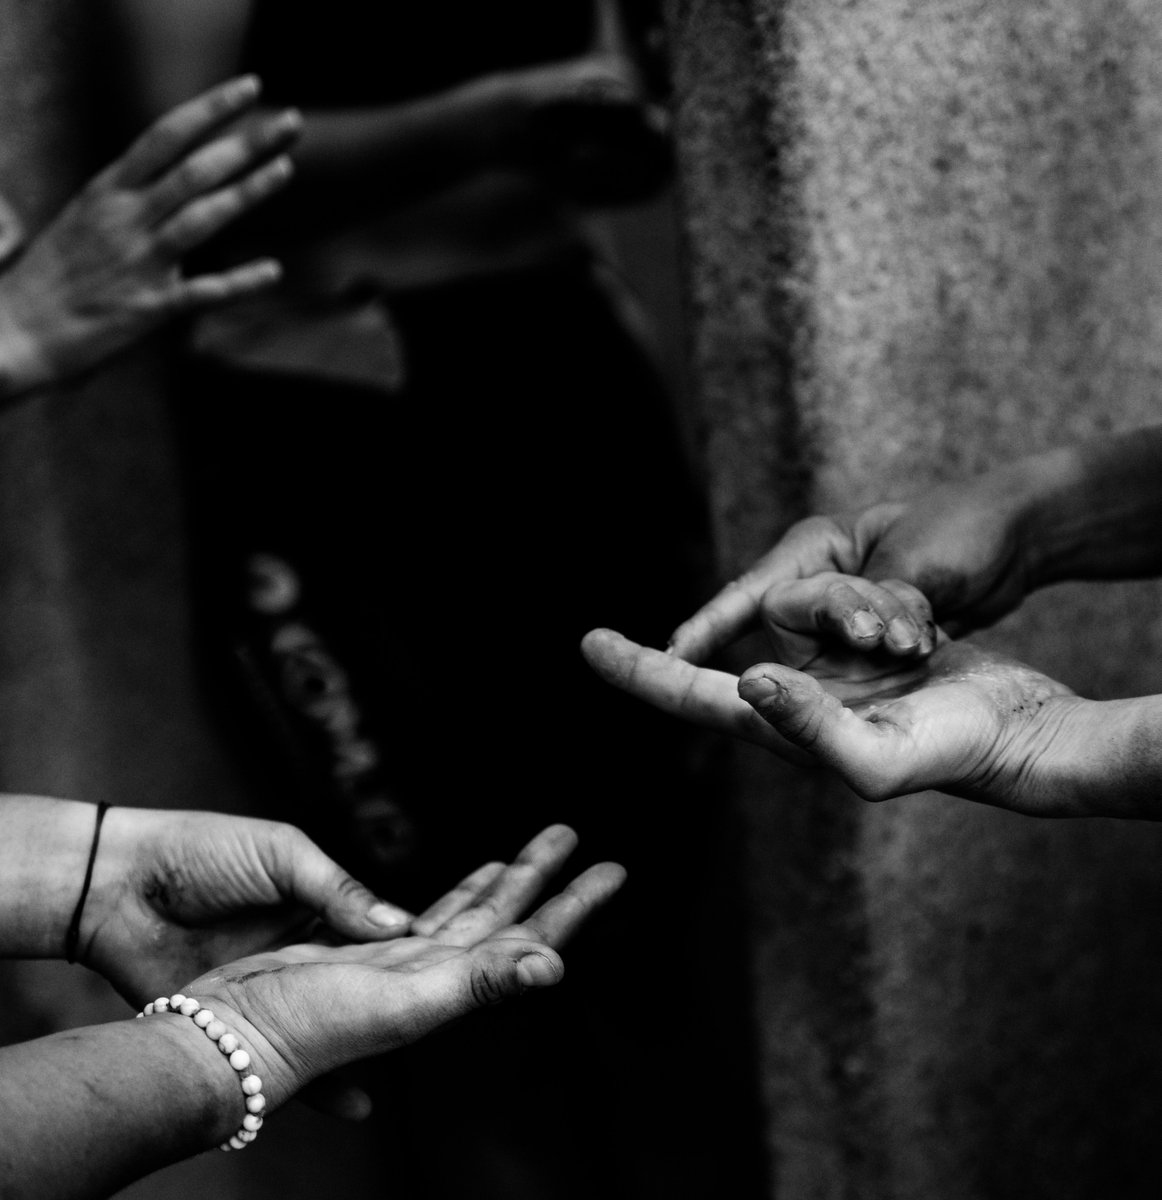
{"x":924,"y":237}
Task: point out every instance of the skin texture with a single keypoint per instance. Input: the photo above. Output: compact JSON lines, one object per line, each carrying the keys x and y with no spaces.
{"x":961,"y":720}
{"x":80,"y":1109}
{"x":106,"y":271}
{"x":863,"y":682}
{"x":974,"y":549}
{"x":172,"y":892}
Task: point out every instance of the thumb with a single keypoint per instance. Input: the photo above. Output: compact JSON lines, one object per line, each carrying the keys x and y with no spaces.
{"x":493,"y":971}
{"x":302,"y":872}
{"x":797,"y":707}
{"x":499,"y":970}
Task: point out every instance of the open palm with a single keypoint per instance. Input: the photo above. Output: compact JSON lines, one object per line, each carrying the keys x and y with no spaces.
{"x":963,"y":720}
{"x":311,"y":1007}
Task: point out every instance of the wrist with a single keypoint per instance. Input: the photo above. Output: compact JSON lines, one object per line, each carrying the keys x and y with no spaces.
{"x":1092,"y":511}
{"x":24,"y":365}
{"x":280,"y":1080}
{"x":44,"y":852}
{"x":213,"y":1099}
{"x":1093,"y":758}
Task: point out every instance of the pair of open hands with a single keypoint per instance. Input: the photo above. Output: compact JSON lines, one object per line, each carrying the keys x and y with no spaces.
{"x":864,"y":681}
{"x":317,"y":970}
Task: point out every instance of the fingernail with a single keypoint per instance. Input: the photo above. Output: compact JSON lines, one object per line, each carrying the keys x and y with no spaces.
{"x":865,"y":624}
{"x":760,"y":691}
{"x":386,"y":916}
{"x":247,"y":86}
{"x":903,"y":633}
{"x":535,"y":970}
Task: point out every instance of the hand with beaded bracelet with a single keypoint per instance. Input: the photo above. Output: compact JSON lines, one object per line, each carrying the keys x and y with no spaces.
{"x":85,"y":1112}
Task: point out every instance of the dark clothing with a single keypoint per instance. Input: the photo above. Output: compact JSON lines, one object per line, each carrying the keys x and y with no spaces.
{"x":422,"y":706}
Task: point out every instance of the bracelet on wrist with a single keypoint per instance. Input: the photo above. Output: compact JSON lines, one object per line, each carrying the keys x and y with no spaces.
{"x":73,"y":933}
{"x":238,"y":1058}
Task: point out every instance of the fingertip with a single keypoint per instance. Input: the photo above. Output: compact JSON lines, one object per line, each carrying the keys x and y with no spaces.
{"x":596,"y":640}
{"x":541,"y":968}
{"x":614,"y":876}
{"x":244,"y":89}
{"x":762,"y":693}
{"x":388,"y":920}
{"x":561,"y":832}
{"x":607,"y":652}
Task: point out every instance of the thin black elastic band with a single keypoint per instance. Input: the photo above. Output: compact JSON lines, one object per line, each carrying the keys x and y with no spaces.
{"x":73,"y":936}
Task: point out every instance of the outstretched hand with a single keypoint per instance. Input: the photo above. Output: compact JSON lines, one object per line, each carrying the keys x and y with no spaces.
{"x":964,"y":720}
{"x":961,"y":545}
{"x":107,"y":271}
{"x":309,"y":1008}
{"x":175,"y":893}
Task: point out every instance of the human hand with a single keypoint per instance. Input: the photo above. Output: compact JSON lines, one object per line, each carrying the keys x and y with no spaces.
{"x":175,"y":892}
{"x":308,"y":1009}
{"x":107,"y":270}
{"x":962,"y":546}
{"x":964,"y":721}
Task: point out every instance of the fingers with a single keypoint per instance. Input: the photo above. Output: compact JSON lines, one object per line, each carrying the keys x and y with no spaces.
{"x":458,"y":899}
{"x":559,"y":918}
{"x":496,"y":970}
{"x":722,"y":620}
{"x":506,"y":894}
{"x":697,"y":694}
{"x":207,"y":291}
{"x":891,"y":616}
{"x":239,"y":156}
{"x":199,"y":220}
{"x":160,"y":146}
{"x":808,"y":547}
{"x":300,"y":871}
{"x":870,"y":755}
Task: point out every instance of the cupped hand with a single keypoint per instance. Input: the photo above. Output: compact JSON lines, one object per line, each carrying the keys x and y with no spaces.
{"x":175,"y":892}
{"x":309,"y":1008}
{"x":107,"y":270}
{"x":959,"y":545}
{"x":964,"y":721}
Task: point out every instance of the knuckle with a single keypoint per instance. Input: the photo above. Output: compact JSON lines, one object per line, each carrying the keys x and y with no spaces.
{"x":493,"y":982}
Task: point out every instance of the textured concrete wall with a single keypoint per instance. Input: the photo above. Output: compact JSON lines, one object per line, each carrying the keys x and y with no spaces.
{"x":922,"y":237}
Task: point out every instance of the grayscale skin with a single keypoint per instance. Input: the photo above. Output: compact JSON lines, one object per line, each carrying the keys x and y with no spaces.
{"x":107,"y":270}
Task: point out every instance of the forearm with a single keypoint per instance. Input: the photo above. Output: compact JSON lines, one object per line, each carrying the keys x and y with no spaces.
{"x":85,"y":1112}
{"x":44,"y":849}
{"x":1086,"y":758}
{"x":1093,"y":511}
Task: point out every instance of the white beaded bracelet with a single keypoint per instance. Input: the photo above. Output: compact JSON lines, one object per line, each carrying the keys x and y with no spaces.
{"x":238,"y":1058}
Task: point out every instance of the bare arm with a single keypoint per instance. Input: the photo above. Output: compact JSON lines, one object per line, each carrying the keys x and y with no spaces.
{"x":85,"y":1112}
{"x":355,"y":162}
{"x":975,"y":548}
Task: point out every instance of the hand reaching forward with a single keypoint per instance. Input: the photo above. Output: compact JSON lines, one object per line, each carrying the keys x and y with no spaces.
{"x":308,"y":1009}
{"x":106,"y":271}
{"x":965,"y":721}
{"x":962,"y":545}
{"x":175,"y":892}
